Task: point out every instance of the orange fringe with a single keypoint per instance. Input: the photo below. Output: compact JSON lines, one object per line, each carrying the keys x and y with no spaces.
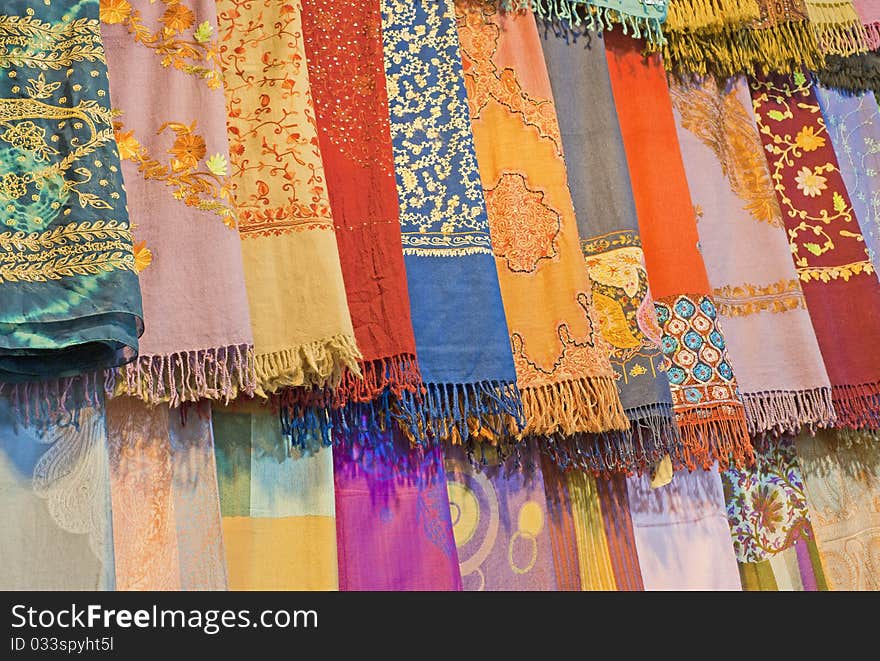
{"x":715,"y":434}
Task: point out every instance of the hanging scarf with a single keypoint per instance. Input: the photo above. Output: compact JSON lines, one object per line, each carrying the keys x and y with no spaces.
{"x":638,"y":18}
{"x":869,"y":15}
{"x":344,"y":48}
{"x":616,"y":516}
{"x":393,"y":523}
{"x":773,"y":348}
{"x":502,"y":527}
{"x":302,"y":329}
{"x":852,"y":75}
{"x":853,"y":124}
{"x":453,"y":285}
{"x":563,"y":373}
{"x":55,"y":511}
{"x":69,"y":297}
{"x":198,"y":342}
{"x":163,"y":483}
{"x":838,"y":280}
{"x":837,"y":27}
{"x":708,"y":410}
{"x":726,"y":38}
{"x":563,"y":530}
{"x":608,"y":227}
{"x":681,"y":533}
{"x":279,"y":525}
{"x":842,"y":483}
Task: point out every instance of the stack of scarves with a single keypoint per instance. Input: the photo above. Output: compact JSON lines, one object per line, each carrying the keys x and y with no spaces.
{"x":69,"y":298}
{"x":457,"y":314}
{"x":301,"y":325}
{"x":175,"y":159}
{"x":827,"y":245}
{"x":779,"y":368}
{"x":708,"y":410}
{"x":610,"y":241}
{"x":562,"y":368}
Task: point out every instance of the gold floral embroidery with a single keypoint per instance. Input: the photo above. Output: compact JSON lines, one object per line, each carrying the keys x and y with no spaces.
{"x":196,"y":55}
{"x":207,"y":189}
{"x":26,"y":41}
{"x":86,"y":248}
{"x":721,"y":122}
{"x":143,"y":256}
{"x":746,"y":299}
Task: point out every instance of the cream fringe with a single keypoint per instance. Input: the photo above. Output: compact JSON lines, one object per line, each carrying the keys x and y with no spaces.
{"x":320,"y":363}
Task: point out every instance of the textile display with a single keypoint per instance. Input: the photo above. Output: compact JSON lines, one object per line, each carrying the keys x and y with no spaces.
{"x":617,"y":518}
{"x":163,"y":485}
{"x":869,"y":15}
{"x":610,"y":242}
{"x":70,"y":304}
{"x":837,"y":26}
{"x":563,"y":372}
{"x":773,"y":348}
{"x":393,"y":523}
{"x":175,"y":160}
{"x":853,"y":74}
{"x":827,"y":246}
{"x":453,"y":285}
{"x":562,"y":526}
{"x":708,"y":410}
{"x":288,"y":243}
{"x":279,"y":521}
{"x":55,"y":505}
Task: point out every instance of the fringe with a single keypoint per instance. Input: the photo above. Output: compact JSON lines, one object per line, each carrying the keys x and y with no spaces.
{"x":709,"y":14}
{"x":582,"y":16}
{"x":714,"y":434}
{"x":872,"y":35}
{"x":837,"y":28}
{"x":217,"y":374}
{"x":857,"y":407}
{"x":55,"y":402}
{"x":588,"y":404}
{"x":652,"y":434}
{"x":319,"y":363}
{"x":456,"y":412}
{"x":852,"y":75}
{"x":781,"y":412}
{"x":785,"y":48}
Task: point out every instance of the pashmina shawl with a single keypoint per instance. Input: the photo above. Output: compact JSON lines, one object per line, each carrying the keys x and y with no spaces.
{"x":708,"y":410}
{"x":563,"y":371}
{"x":457,"y":314}
{"x":869,"y":15}
{"x":853,"y":124}
{"x":837,"y":278}
{"x":70,"y":303}
{"x":594,"y":556}
{"x":55,"y":510}
{"x":501,"y":524}
{"x":175,"y":156}
{"x":393,"y":522}
{"x":796,"y":569}
{"x":343,"y":43}
{"x":302,"y":329}
{"x":842,"y":482}
{"x":637,"y":18}
{"x":732,"y":36}
{"x":163,"y":483}
{"x":614,"y":501}
{"x":279,"y":521}
{"x":610,"y":241}
{"x":773,"y":348}
{"x":681,"y":533}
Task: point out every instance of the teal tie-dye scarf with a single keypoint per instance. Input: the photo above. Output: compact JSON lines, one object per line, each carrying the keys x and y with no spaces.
{"x":69,"y":297}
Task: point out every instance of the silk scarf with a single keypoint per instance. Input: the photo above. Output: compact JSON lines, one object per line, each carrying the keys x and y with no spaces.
{"x":707,"y":407}
{"x":163,"y":484}
{"x":610,"y":242}
{"x":726,"y":38}
{"x":454,"y":294}
{"x":842,"y":482}
{"x":681,"y":533}
{"x":279,"y":521}
{"x":344,"y":46}
{"x":302,"y":328}
{"x":55,"y":510}
{"x":853,"y":125}
{"x":502,"y":527}
{"x":175,"y":159}
{"x":70,"y":304}
{"x":772,"y":345}
{"x":393,"y":522}
{"x":828,"y":249}
{"x":563,"y":371}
